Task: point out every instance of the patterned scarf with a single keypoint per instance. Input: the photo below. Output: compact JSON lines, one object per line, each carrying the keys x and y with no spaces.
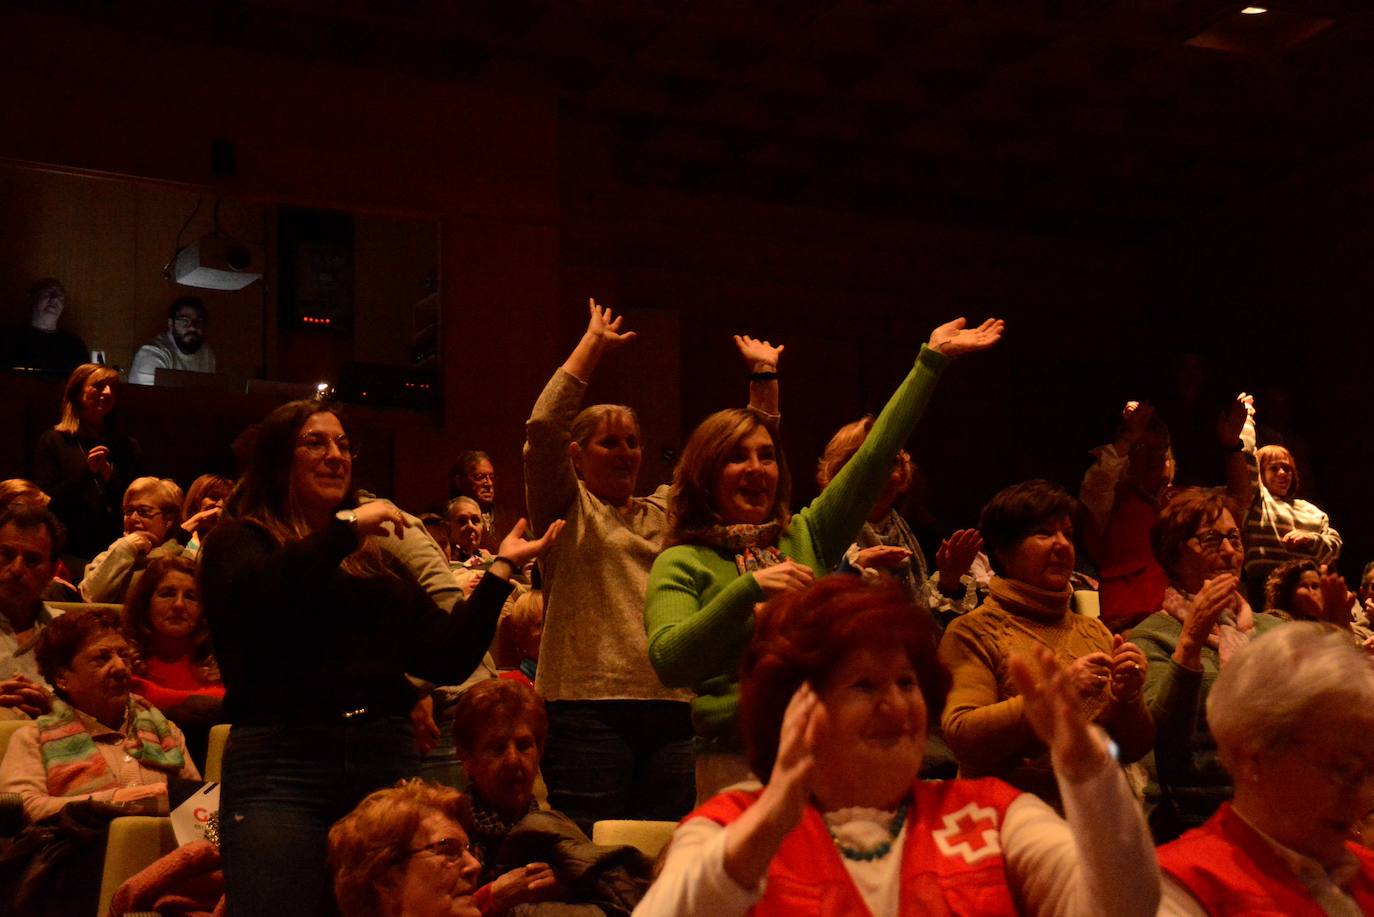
{"x":893,"y":531}
{"x":1232,"y":630}
{"x":74,"y":766}
{"x":490,"y":830}
{"x":754,"y":546}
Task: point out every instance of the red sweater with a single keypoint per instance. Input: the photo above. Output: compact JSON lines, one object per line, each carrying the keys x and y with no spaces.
{"x":167,"y":684}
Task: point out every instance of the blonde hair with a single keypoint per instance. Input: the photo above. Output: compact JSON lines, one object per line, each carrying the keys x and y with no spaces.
{"x":18,"y":490}
{"x":72,"y":391}
{"x":524,"y":613}
{"x":691,"y":501}
{"x":162,"y":492}
{"x":589,"y":419}
{"x":845,"y":443}
{"x":1267,"y":455}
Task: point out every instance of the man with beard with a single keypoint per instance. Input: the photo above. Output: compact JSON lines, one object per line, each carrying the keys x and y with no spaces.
{"x":182,"y":346}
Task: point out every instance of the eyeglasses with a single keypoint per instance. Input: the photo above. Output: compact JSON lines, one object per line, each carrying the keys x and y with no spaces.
{"x":482,"y":477}
{"x":1211,"y":541}
{"x":317,"y":445}
{"x":449,"y":849}
{"x":143,"y":512}
{"x":189,"y":321}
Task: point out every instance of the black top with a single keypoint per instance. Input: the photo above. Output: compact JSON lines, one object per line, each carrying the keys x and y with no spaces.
{"x":57,"y":352}
{"x":299,"y":640}
{"x":90,"y":508}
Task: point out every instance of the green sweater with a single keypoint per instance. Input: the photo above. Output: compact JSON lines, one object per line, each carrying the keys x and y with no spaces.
{"x":699,"y":612}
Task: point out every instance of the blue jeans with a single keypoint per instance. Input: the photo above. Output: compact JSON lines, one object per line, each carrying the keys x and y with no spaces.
{"x":284,"y":786}
{"x":619,"y":759}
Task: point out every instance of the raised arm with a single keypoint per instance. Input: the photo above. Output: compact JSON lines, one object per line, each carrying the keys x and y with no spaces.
{"x":837,"y":514}
{"x":761,"y":359}
{"x":550,"y":482}
{"x":1098,"y":490}
{"x":1236,"y":435}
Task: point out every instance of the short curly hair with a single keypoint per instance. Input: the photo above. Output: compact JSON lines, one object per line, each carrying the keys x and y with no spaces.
{"x":366,"y":843}
{"x":804,"y":636}
{"x":498,"y":700}
{"x":1015,"y":512}
{"x":1283,"y":582}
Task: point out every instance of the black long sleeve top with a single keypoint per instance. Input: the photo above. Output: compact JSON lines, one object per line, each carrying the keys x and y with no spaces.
{"x":91,"y":509}
{"x":300,"y":640}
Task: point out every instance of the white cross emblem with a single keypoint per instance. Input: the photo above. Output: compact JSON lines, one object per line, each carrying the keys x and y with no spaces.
{"x":970,"y":833}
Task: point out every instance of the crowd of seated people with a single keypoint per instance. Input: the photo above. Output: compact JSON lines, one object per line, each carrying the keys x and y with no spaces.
{"x":430,"y":714}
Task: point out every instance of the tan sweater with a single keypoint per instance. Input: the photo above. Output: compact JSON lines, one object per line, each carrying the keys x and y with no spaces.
{"x":985,"y":720}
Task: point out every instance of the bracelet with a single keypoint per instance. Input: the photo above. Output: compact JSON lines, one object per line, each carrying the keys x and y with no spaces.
{"x":515,"y":568}
{"x":763,"y":377}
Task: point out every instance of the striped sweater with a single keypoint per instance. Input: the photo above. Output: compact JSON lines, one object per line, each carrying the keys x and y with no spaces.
{"x":1269,"y":517}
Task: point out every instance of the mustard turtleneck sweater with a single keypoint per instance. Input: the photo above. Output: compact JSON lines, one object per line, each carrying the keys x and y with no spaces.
{"x":985,"y":720}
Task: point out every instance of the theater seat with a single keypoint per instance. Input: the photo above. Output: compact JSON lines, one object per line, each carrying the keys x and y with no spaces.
{"x":135,"y":843}
{"x":214,"y":752}
{"x":11,"y":806}
{"x":649,"y":836}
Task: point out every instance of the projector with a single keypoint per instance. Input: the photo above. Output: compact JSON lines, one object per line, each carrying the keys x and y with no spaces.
{"x":218,"y":263}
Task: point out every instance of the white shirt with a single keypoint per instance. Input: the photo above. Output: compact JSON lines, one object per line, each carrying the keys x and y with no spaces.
{"x":163,"y":353}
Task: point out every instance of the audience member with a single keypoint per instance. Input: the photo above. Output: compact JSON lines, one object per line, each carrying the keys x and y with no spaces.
{"x":838,"y":684}
{"x":1293,"y":718}
{"x":41,"y":345}
{"x":473,"y":476}
{"x":152,"y":511}
{"x":735,"y":543}
{"x":886,"y":544}
{"x":86,"y":461}
{"x":404,"y":851}
{"x":467,"y":529}
{"x":174,"y":665}
{"x":1204,"y":619}
{"x":202,"y":508}
{"x":1278,"y":526}
{"x":1122,"y":493}
{"x":438,"y":528}
{"x":19,"y":492}
{"x":1029,"y":532}
{"x":181,"y":347}
{"x":30,"y":539}
{"x":294,"y":582}
{"x":518,"y":635}
{"x":619,"y":741}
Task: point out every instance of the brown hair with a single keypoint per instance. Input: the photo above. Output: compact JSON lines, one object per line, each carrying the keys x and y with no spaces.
{"x":1283,"y":582}
{"x":70,"y":421}
{"x":368,"y":842}
{"x":26,"y":518}
{"x":26,"y":493}
{"x":691,"y":501}
{"x":804,"y":636}
{"x":585,"y":424}
{"x":498,"y":700}
{"x":1015,"y":512}
{"x":1272,"y":453}
{"x":60,"y":641}
{"x":205,"y":487}
{"x":164,"y":492}
{"x":845,"y":443}
{"x":138,"y":624}
{"x":1187,"y":511}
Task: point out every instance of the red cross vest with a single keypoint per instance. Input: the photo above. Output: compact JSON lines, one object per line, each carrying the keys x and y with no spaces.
{"x":1230,"y":869}
{"x":951,"y":857}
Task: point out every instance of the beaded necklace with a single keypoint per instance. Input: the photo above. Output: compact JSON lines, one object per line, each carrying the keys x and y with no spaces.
{"x":880,"y":851}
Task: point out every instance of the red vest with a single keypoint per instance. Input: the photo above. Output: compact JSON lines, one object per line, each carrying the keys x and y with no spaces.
{"x":1132,"y":580}
{"x":1230,"y":869}
{"x":951,"y":858}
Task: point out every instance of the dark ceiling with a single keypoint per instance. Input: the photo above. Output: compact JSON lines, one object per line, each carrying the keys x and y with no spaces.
{"x":1093,"y":118}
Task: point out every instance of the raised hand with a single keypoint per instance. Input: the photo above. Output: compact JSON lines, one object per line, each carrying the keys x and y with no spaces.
{"x":955,"y":556}
{"x":206,"y":518}
{"x":803,"y":726}
{"x":1137,"y":416}
{"x":953,"y":338}
{"x":604,"y":326}
{"x":1128,"y":669}
{"x":1058,"y":718}
{"x":1232,"y":423}
{"x":881,"y":557}
{"x":759,"y":356}
{"x":375,"y":517}
{"x":519,"y":552}
{"x":788,"y":576}
{"x":1336,"y":600}
{"x":1216,"y":597}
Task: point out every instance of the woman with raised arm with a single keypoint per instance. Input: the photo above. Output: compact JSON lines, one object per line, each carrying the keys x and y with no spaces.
{"x":734,"y":543}
{"x":315,"y":627}
{"x":838,"y":686}
{"x":619,"y":741}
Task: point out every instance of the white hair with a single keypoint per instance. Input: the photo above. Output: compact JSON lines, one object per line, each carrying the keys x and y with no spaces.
{"x":1268,"y":690}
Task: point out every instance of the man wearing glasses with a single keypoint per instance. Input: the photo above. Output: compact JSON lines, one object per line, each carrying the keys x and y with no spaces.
{"x":182,"y":346}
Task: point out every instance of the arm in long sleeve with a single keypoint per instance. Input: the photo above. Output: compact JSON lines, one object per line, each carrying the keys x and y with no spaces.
{"x":107,"y":577}
{"x":1327,"y":547}
{"x":446,"y":647}
{"x":690,"y":641}
{"x":1097,"y":493}
{"x":550,"y":482}
{"x":836,"y":515}
{"x":419,"y":553}
{"x":60,"y":483}
{"x":1133,"y":729}
{"x":1099,"y":859}
{"x":694,"y":880}
{"x":147,"y":361}
{"x":1172,"y":694}
{"x":984,"y":731}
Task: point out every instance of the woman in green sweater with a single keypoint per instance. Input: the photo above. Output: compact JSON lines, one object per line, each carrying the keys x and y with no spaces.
{"x":734,"y":543}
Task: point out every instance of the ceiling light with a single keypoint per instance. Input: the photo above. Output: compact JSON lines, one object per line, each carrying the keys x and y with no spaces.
{"x":1253,"y":10}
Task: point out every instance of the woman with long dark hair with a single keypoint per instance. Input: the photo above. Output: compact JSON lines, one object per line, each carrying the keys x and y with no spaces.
{"x":315,"y":629}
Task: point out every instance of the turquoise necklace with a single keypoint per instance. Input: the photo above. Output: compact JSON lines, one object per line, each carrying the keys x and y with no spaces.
{"x":880,"y":851}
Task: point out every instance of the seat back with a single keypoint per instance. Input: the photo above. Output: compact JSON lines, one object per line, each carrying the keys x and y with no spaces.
{"x":214,"y":752}
{"x":135,"y":843}
{"x":648,"y":836}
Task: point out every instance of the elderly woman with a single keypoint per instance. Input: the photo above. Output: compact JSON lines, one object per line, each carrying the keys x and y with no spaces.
{"x":1205,"y":618}
{"x":175,"y":665}
{"x":1029,"y":532}
{"x":315,"y":627}
{"x":152,"y":513}
{"x":85,"y":462}
{"x":1293,"y":717}
{"x":403,"y":852}
{"x":1278,"y":526}
{"x":886,"y":544}
{"x":838,"y":685}
{"x":735,"y":543}
{"x":619,"y":741}
{"x":100,"y":741}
